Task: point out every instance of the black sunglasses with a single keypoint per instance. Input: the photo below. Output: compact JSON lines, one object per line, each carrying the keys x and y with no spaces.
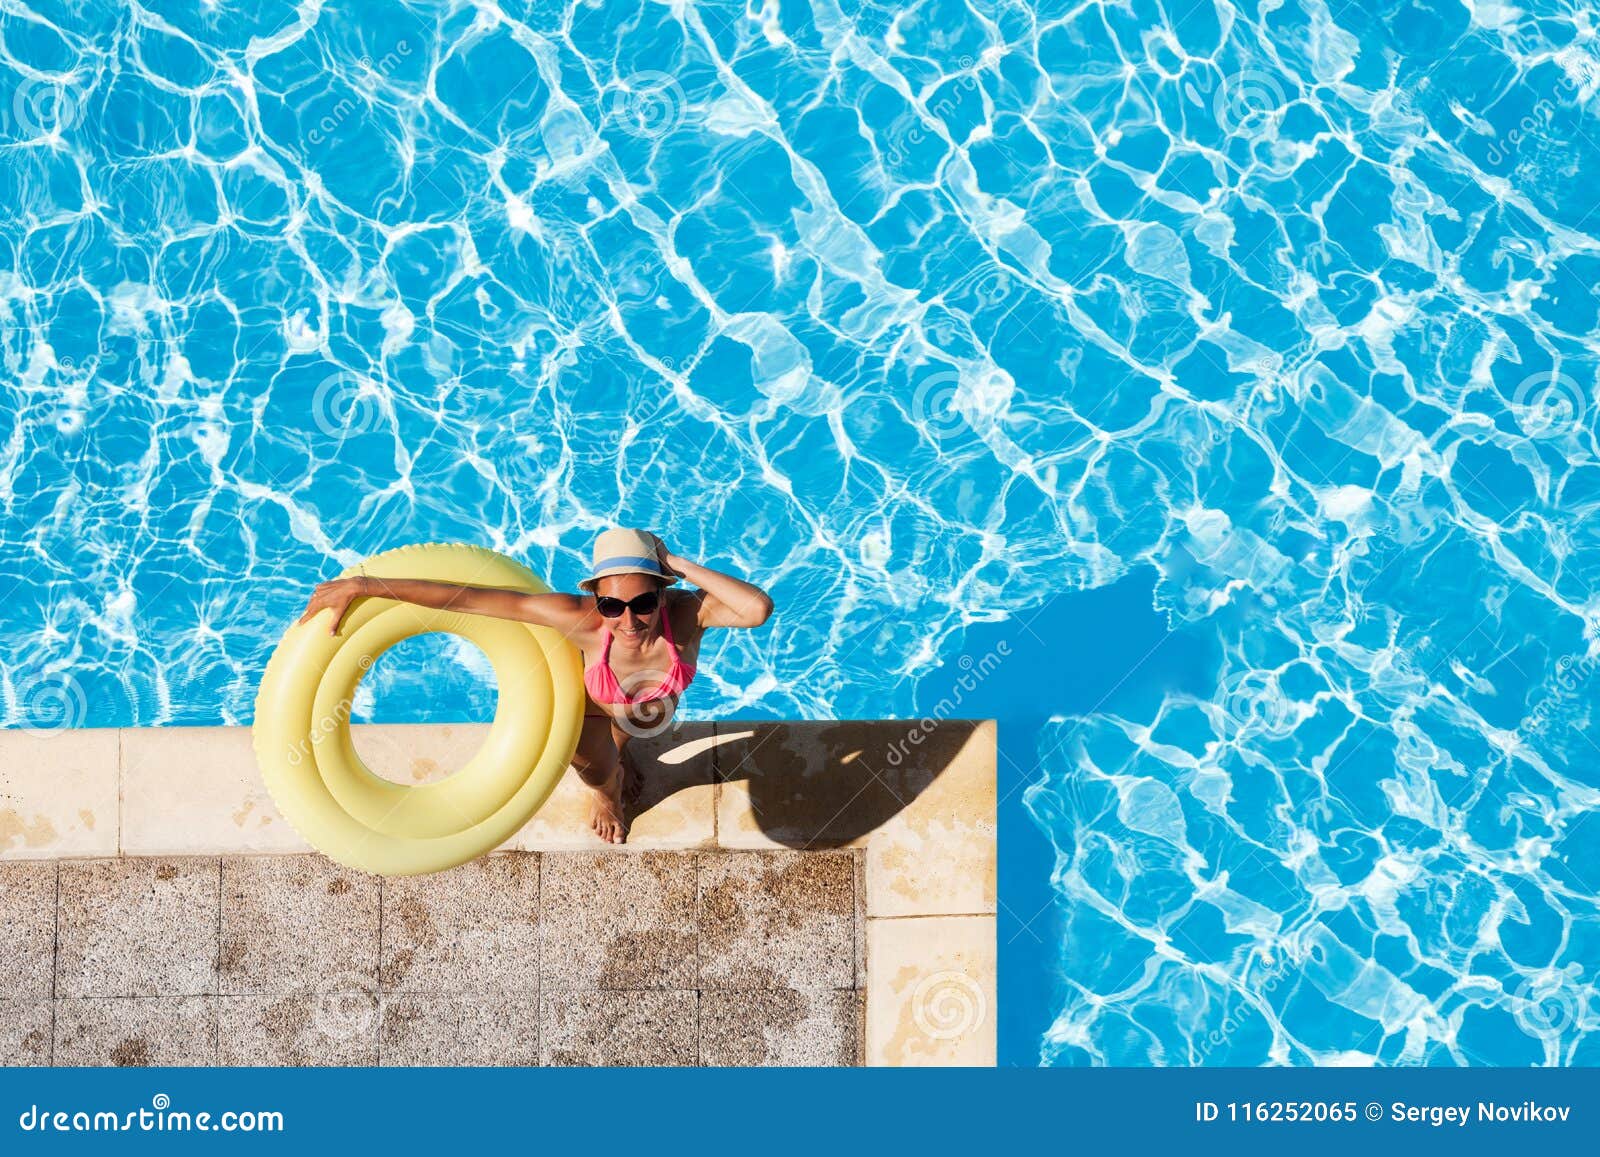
{"x":640,"y":605}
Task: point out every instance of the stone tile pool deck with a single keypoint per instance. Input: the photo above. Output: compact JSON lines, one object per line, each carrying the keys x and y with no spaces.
{"x":792,"y":893}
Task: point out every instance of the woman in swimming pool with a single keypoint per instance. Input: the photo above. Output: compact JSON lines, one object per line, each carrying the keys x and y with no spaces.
{"x":639,"y":639}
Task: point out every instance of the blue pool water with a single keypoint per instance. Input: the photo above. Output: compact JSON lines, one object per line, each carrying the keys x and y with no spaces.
{"x":1234,"y":366}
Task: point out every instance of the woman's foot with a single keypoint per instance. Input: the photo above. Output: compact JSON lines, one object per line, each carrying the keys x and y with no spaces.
{"x":605,"y":807}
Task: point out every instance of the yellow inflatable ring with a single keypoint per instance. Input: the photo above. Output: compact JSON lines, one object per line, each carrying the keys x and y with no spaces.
{"x":302,"y":725}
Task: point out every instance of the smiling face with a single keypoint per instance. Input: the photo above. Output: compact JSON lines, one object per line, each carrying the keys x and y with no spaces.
{"x":630,"y":627}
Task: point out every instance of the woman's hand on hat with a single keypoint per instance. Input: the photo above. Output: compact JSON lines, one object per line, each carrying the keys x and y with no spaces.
{"x":670,"y":563}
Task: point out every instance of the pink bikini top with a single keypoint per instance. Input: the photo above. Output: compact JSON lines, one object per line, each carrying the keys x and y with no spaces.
{"x":602,"y":681}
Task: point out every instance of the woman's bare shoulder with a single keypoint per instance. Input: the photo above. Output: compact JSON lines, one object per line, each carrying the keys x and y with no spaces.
{"x":684,"y":607}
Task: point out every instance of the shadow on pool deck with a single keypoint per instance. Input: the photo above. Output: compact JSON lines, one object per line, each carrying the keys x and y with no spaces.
{"x":830,"y":785}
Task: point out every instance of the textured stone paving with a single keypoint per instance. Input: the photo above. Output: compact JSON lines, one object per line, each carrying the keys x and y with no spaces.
{"x":554,"y":958}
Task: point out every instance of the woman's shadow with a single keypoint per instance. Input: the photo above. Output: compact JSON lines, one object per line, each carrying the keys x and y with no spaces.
{"x":808,"y":786}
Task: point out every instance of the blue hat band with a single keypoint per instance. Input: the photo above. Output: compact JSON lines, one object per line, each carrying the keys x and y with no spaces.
{"x":651,"y":564}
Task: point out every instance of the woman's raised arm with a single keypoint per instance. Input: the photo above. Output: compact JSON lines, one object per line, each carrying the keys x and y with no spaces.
{"x":725,"y":601}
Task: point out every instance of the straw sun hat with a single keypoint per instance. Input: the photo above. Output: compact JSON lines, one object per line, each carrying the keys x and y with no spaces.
{"x":626,"y":552}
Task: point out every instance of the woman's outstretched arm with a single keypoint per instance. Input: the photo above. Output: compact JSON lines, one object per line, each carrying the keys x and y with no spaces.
{"x":566,"y":613}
